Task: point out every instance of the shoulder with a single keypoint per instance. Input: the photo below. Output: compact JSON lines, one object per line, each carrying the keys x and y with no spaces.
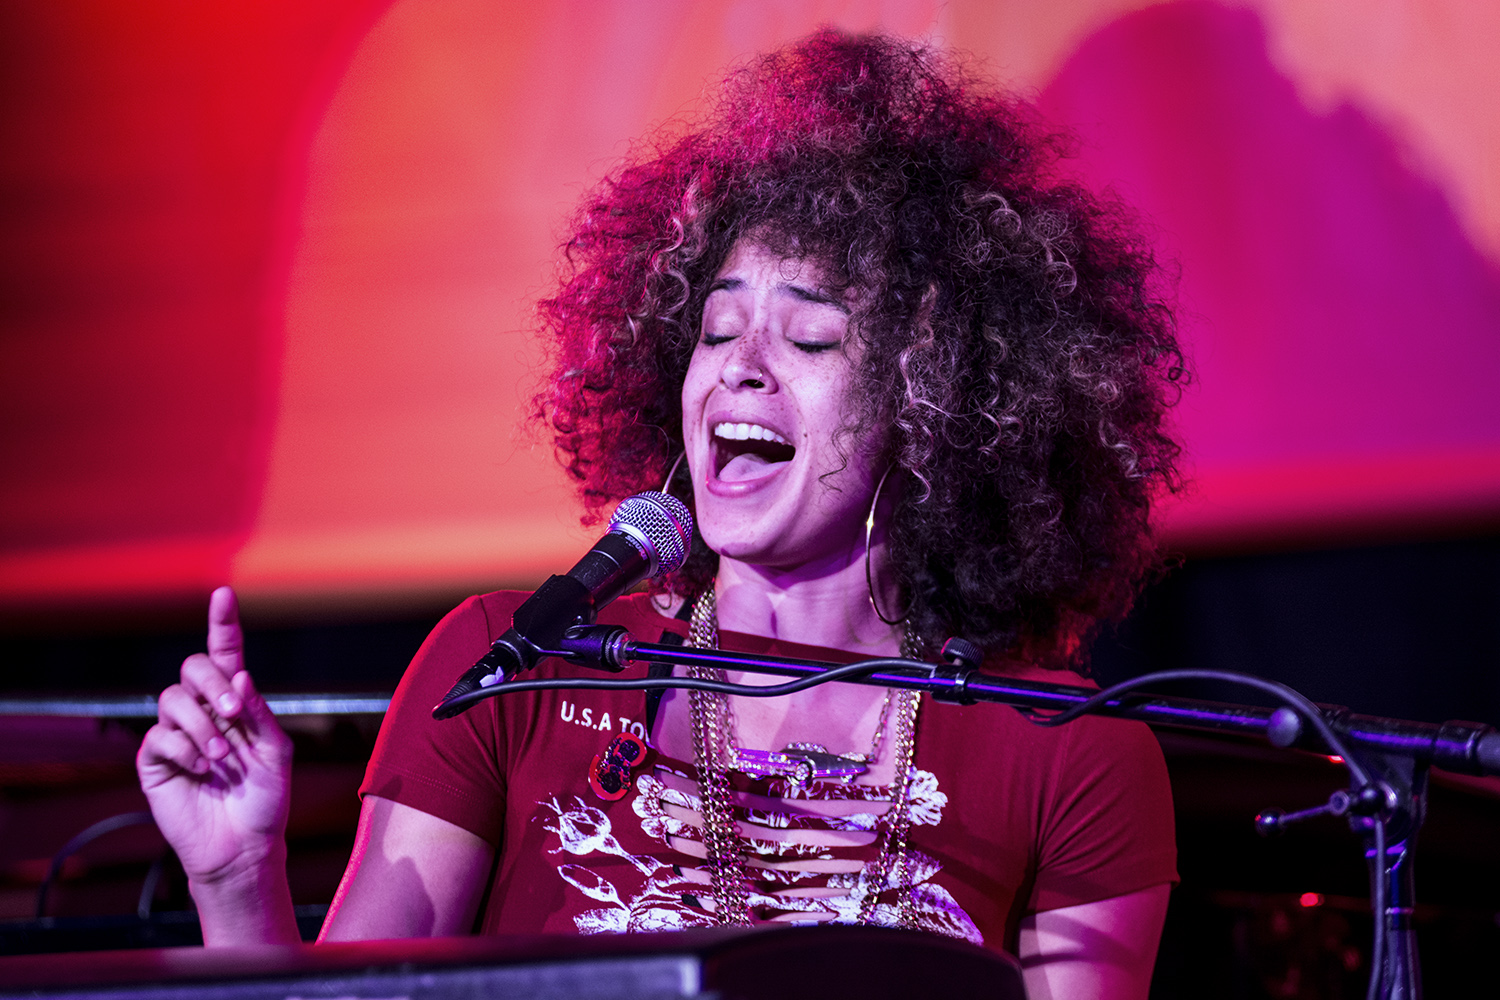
{"x":1046,"y":761}
{"x":1088,"y":736}
{"x":1023,"y":671}
{"x":470,"y":625}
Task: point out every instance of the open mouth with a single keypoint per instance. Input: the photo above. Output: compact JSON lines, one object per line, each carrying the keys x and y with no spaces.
{"x":748,"y":451}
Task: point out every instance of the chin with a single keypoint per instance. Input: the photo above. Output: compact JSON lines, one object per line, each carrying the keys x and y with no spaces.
{"x":734,"y":545}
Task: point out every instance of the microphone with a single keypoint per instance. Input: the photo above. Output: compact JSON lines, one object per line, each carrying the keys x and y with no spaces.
{"x":649,"y":535}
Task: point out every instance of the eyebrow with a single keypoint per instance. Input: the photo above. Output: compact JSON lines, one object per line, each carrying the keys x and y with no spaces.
{"x":802,"y":292}
{"x":816,"y":295}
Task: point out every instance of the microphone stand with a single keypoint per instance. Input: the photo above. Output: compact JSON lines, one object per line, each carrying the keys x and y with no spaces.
{"x":1387,"y":759}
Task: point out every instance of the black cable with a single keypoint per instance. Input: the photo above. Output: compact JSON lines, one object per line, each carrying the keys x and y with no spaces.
{"x":860,"y":669}
{"x":1289,"y":696}
{"x":1305,"y":708}
{"x":87,"y":835}
{"x":1293,"y":698}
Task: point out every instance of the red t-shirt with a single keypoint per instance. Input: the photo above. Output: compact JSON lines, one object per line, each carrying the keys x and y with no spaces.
{"x":1006,"y":818}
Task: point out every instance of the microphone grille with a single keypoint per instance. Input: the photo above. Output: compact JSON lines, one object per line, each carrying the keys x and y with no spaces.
{"x":659,"y":524}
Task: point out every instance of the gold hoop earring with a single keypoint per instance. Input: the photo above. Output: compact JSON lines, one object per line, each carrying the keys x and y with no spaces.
{"x":869,"y":575}
{"x":666,"y":485}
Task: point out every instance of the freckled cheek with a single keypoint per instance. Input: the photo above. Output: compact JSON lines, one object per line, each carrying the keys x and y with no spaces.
{"x":694,"y":399}
{"x":696,"y":386}
{"x":825,"y":415}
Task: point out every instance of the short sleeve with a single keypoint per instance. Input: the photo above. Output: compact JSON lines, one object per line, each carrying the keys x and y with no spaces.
{"x":451,"y":769}
{"x":1108,"y":827}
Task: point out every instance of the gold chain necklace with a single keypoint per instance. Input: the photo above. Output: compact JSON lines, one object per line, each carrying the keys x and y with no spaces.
{"x":712,"y":729}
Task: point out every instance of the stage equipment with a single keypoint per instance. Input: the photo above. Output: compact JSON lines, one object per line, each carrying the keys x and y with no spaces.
{"x":768,"y":963}
{"x":1387,"y":759}
{"x":145,"y":707}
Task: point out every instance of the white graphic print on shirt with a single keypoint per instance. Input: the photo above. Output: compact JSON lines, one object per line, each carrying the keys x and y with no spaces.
{"x":795,"y":836}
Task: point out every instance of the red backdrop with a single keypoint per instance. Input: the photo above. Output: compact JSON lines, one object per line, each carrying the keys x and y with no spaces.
{"x":268,"y":266}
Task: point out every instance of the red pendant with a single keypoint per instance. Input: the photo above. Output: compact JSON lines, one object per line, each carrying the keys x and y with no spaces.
{"x":609,"y":772}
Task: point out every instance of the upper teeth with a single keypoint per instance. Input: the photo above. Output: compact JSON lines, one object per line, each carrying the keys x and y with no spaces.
{"x":748,"y":432}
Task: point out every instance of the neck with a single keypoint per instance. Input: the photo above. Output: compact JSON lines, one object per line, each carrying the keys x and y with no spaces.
{"x":824,"y":603}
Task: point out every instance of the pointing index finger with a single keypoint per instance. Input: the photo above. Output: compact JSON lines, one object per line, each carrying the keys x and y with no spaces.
{"x":226,"y":643}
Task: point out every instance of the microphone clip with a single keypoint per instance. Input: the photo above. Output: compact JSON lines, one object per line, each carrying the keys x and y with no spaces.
{"x":536,"y":631}
{"x":559,"y":605}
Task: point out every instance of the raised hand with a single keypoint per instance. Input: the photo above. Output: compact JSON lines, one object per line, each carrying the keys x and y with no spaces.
{"x":216,"y":770}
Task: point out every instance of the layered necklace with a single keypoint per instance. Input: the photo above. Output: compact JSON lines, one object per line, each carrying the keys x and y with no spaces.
{"x":716,"y":755}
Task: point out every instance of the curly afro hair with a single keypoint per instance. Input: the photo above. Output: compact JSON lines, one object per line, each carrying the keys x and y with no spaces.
{"x":1016,"y":335}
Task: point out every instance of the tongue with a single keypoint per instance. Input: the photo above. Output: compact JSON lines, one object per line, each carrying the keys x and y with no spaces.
{"x":746,"y":466}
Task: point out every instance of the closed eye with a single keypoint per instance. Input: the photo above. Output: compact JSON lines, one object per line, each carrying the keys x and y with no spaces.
{"x":817,"y":348}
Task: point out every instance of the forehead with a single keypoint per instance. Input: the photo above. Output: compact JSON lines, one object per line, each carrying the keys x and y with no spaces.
{"x":750,"y":257}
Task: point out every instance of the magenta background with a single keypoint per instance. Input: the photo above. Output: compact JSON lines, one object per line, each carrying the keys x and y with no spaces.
{"x":1342,"y":326}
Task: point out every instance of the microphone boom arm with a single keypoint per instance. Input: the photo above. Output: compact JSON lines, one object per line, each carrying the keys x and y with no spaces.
{"x":1463,"y":747}
{"x":1386,"y":801}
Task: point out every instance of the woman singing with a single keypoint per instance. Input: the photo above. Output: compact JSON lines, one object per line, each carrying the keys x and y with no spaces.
{"x":913,"y":386}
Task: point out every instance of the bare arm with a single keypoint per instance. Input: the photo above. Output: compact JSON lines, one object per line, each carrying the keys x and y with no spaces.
{"x":216,"y":769}
{"x":1103,"y":950}
{"x":411,"y":875}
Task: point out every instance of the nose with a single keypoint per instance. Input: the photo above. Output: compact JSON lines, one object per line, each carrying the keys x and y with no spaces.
{"x":746,"y":369}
